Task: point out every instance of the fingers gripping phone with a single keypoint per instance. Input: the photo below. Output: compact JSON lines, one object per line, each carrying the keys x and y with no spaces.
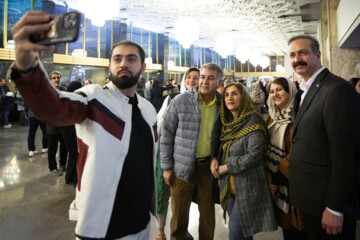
{"x":64,"y":28}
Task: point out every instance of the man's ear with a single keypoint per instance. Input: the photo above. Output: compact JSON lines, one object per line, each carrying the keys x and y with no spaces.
{"x":143,"y":68}
{"x":319,"y":56}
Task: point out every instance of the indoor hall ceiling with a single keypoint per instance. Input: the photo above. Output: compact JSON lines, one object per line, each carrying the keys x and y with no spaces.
{"x":261,"y":25}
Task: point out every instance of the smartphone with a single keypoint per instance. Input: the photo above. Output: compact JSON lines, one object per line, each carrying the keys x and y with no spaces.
{"x":64,"y":28}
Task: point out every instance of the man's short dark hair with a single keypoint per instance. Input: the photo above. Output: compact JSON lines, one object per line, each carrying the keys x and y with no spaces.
{"x":129,"y":43}
{"x":55,"y":72}
{"x":315,"y":46}
{"x":213,"y":66}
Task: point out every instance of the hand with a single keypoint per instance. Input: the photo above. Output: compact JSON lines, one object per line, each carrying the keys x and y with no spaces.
{"x":169,"y":177}
{"x":214,"y":167}
{"x":331,"y":223}
{"x":272,"y":187}
{"x":25,"y":51}
{"x":223,"y":169}
{"x":26,"y":117}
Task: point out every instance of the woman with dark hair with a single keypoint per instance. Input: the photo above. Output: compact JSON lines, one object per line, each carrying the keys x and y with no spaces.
{"x":280,"y":125}
{"x":240,"y":166}
{"x":190,"y":80}
{"x":356,"y":83}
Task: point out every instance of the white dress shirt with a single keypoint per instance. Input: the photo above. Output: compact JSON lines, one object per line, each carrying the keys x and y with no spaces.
{"x":305,"y":86}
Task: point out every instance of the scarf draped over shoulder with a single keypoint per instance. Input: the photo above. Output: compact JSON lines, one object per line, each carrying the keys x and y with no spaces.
{"x":276,"y":150}
{"x":247,"y":120}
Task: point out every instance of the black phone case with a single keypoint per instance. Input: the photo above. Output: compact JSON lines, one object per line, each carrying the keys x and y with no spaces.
{"x":64,"y":28}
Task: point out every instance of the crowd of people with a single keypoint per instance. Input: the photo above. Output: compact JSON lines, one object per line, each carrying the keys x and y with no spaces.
{"x":297,"y":169}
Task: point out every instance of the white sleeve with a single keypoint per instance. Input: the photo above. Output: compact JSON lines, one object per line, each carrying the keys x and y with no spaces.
{"x":161,"y":115}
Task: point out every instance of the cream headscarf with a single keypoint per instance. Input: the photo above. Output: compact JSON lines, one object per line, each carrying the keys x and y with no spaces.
{"x":182,"y":86}
{"x":276,"y":149}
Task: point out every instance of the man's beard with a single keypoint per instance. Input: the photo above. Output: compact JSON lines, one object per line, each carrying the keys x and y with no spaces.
{"x":125,"y":82}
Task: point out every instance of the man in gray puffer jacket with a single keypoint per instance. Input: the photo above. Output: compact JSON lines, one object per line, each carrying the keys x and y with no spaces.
{"x":186,"y":152}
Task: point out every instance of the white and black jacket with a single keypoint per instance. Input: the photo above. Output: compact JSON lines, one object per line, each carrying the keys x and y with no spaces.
{"x":103,"y":125}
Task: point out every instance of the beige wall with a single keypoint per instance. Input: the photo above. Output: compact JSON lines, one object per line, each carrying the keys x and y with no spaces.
{"x":342,"y":62}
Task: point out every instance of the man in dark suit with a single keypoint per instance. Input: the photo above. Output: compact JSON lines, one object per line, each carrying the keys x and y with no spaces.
{"x":324,"y":162}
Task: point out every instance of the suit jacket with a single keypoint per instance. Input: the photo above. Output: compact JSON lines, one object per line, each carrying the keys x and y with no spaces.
{"x":323,"y":162}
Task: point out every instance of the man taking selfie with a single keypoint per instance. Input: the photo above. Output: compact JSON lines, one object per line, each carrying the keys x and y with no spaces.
{"x":114,"y":195}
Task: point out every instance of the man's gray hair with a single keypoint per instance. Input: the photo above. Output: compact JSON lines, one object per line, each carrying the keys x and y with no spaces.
{"x":315,"y":46}
{"x":217,"y":68}
{"x":55,"y":72}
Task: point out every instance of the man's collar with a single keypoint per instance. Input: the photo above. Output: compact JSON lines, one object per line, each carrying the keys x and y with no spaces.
{"x":214,"y":100}
{"x":133,"y":100}
{"x":304,"y":86}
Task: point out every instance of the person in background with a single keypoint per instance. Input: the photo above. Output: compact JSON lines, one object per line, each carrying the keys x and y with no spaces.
{"x":21,"y":108}
{"x":148,"y":86}
{"x":356,"y":83}
{"x":242,"y":82}
{"x":107,"y":80}
{"x":263,"y":88}
{"x":258,"y":98}
{"x":140,"y":89}
{"x":240,"y":166}
{"x":55,"y":136}
{"x":324,"y":158}
{"x":156,"y":95}
{"x":280,"y":125}
{"x":190,"y":80}
{"x":174,"y":87}
{"x":225,"y":81}
{"x":220,"y":89}
{"x":8,"y":101}
{"x":34,"y":123}
{"x":69,"y":136}
{"x":88,"y":82}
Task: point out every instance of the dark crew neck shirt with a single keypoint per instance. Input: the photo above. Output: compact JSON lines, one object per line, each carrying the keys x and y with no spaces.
{"x":131,"y":211}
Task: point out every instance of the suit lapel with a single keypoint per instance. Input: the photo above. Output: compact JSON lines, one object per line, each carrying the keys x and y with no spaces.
{"x":297,"y":100}
{"x":315,"y":86}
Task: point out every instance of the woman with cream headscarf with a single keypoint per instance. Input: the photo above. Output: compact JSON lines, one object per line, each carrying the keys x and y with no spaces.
{"x":280,"y":125}
{"x":190,"y":80}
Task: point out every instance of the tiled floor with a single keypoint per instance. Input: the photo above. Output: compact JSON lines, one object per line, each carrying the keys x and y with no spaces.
{"x":34,"y":204}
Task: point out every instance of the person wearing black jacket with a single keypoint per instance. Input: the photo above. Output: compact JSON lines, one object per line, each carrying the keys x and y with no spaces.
{"x":6,"y":103}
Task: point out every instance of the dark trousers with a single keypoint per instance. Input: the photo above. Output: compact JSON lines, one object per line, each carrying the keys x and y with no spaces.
{"x":53,"y":145}
{"x":23,"y":120}
{"x":33,"y":126}
{"x":315,"y":231}
{"x":70,"y":140}
{"x":293,"y":234}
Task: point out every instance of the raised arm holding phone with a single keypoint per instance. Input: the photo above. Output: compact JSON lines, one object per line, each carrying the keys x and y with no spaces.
{"x":111,"y":122}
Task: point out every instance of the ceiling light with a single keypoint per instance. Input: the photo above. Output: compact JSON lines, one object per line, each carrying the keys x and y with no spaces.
{"x":98,"y":13}
{"x":186,"y":31}
{"x":242,"y":54}
{"x":224,"y":46}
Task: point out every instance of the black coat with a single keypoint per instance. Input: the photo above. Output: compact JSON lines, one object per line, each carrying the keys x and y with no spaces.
{"x":6,"y":101}
{"x":156,"y":96}
{"x":325,"y":152}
